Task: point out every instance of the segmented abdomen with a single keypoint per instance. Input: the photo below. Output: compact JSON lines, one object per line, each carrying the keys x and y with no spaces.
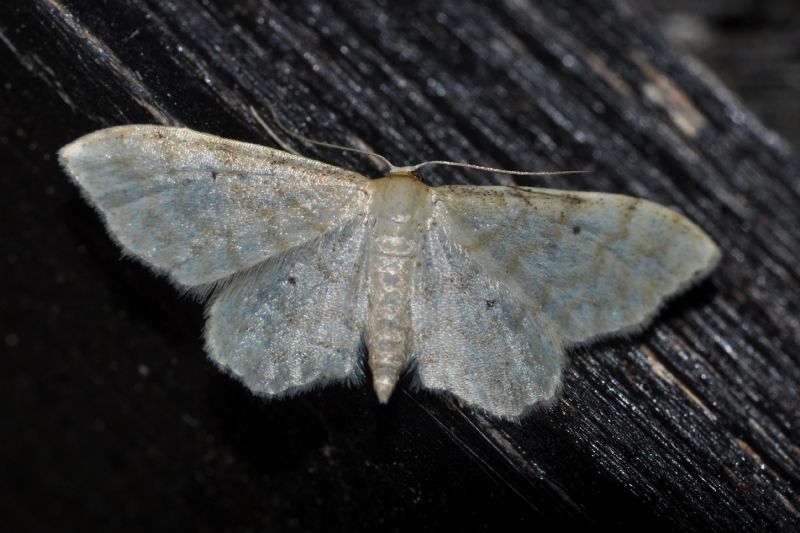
{"x":391,"y":262}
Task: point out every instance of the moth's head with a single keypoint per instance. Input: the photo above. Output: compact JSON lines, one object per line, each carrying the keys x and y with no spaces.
{"x":405,"y":173}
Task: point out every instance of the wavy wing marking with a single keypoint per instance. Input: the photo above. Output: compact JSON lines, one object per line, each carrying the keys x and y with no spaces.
{"x":592,"y":264}
{"x":475,"y":339}
{"x":295,"y":321}
{"x":200,"y":207}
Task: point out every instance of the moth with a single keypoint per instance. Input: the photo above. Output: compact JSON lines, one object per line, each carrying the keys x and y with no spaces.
{"x":480,"y":290}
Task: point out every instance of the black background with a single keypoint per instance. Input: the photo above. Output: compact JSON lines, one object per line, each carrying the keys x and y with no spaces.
{"x":114,"y":419}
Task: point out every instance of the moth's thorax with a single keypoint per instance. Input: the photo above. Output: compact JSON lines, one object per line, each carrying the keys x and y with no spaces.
{"x":400,"y":194}
{"x":399,"y":216}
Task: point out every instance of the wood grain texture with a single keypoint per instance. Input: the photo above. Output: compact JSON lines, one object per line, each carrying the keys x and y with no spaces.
{"x":115,"y":419}
{"x":750,"y":46}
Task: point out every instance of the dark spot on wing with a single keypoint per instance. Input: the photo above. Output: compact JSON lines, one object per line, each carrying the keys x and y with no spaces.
{"x":214,"y":175}
{"x":576,"y":230}
{"x":573,"y":200}
{"x":225,"y":154}
{"x":490,"y":303}
{"x":291,"y":280}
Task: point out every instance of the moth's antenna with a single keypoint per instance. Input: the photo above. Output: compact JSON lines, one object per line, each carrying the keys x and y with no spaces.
{"x":392,"y":168}
{"x":306,"y":139}
{"x":272,"y":134}
{"x":413,"y":168}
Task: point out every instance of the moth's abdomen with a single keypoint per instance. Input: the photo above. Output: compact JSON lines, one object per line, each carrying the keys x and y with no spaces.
{"x":400,"y":209}
{"x":389,"y":316}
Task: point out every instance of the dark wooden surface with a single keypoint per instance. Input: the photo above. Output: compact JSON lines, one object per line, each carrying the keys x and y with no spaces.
{"x":752,"y":45}
{"x":114,"y":419}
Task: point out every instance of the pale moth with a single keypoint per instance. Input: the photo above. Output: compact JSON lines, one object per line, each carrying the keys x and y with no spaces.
{"x":478,"y":289}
